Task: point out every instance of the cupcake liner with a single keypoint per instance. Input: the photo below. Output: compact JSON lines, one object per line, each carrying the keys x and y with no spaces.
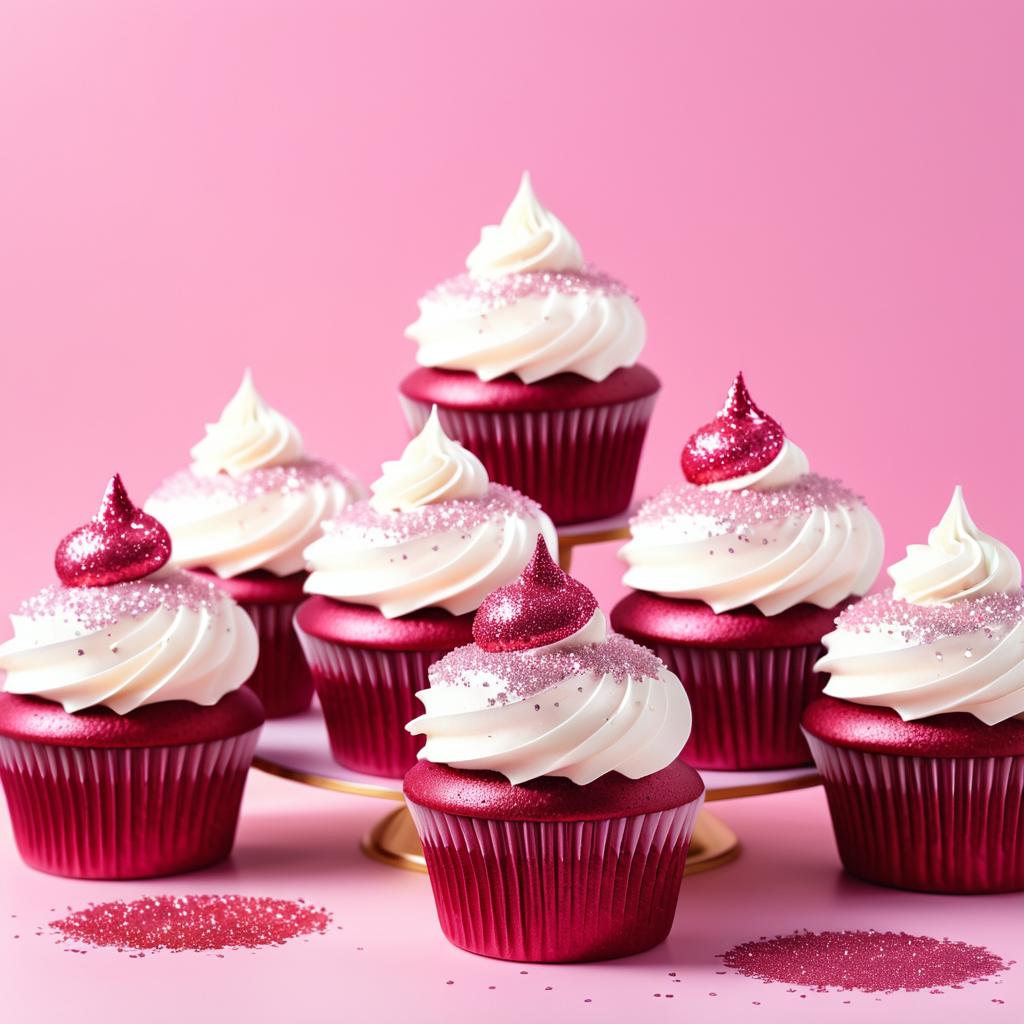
{"x":367,"y":696}
{"x":551,"y":891}
{"x":746,"y":703}
{"x":125,"y":813}
{"x":580,"y":464}
{"x":934,"y":824}
{"x":281,"y":680}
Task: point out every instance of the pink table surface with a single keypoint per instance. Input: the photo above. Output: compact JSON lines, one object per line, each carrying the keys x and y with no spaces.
{"x":388,"y":961}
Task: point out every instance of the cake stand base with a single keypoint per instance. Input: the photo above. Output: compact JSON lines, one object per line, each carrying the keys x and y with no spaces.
{"x":393,"y":841}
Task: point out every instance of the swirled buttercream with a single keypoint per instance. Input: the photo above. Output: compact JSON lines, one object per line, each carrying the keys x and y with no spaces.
{"x":583,"y":706}
{"x":751,"y":525}
{"x":432,"y":468}
{"x":948,"y":638}
{"x":249,"y":435}
{"x":958,"y":561}
{"x":170,"y":636}
{"x":529,"y":306}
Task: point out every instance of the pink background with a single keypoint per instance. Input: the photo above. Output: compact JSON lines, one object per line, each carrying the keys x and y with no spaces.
{"x":826,"y":195}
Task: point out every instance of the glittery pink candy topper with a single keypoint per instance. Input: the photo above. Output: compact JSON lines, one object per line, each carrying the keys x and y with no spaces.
{"x":740,"y":439}
{"x":543,"y":606}
{"x":120,"y":543}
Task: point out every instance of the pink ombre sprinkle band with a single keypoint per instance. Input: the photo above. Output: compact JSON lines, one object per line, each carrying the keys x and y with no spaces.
{"x":730,"y":511}
{"x":225,"y":491}
{"x":928,"y":623}
{"x":518,"y":675}
{"x":94,"y":608}
{"x":461,"y":515}
{"x":494,"y":292}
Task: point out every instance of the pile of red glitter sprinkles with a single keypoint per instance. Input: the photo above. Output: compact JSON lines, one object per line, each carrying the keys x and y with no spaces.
{"x":865,"y":961}
{"x":201,"y":923}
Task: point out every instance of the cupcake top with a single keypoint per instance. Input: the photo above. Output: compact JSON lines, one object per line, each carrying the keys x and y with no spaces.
{"x":529,"y":306}
{"x":251,"y":498}
{"x":122,"y":629}
{"x":750,"y":525}
{"x":949,"y":635}
{"x":547,"y":690}
{"x":435,"y":534}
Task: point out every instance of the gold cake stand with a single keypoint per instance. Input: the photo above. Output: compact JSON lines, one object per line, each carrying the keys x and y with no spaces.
{"x":296,"y":748}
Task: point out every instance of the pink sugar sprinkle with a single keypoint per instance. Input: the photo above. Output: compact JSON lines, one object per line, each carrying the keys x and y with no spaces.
{"x":225,"y":491}
{"x":522,"y":674}
{"x":494,"y":292}
{"x":96,"y":607}
{"x":729,"y":511}
{"x":196,"y":923}
{"x":927,"y":623}
{"x":868,"y":961}
{"x":461,"y":515}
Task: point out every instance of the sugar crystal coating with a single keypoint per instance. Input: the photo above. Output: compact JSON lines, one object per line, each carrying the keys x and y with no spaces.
{"x":492,"y":293}
{"x":460,"y":515}
{"x":927,"y":623}
{"x":96,"y":607}
{"x":518,"y":675}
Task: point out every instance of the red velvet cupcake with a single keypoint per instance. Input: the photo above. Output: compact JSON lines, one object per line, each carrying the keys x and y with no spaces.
{"x":125,"y":738}
{"x":920,"y":741}
{"x":530,"y":360}
{"x":739,"y":572}
{"x":242,"y":515}
{"x":554,"y":812}
{"x":399,"y":577}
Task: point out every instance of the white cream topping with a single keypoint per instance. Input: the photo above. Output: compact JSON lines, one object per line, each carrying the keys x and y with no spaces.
{"x":248,"y":435}
{"x":529,"y":237}
{"x":454,"y":565}
{"x":432,"y":468}
{"x":584,"y":726}
{"x":924,"y":670}
{"x":959,"y":561}
{"x":537,"y":311}
{"x":169,"y":653}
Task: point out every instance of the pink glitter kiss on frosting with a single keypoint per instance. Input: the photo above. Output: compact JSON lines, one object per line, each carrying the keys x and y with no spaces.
{"x":119,"y":544}
{"x":543,"y":606}
{"x":741,"y":439}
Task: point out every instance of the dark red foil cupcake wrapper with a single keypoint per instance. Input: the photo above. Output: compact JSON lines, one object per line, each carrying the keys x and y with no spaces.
{"x":580,"y":464}
{"x":549,"y":891}
{"x":949,"y":825}
{"x":746,"y":703}
{"x":130,"y":813}
{"x":282,"y":679}
{"x":367,"y":696}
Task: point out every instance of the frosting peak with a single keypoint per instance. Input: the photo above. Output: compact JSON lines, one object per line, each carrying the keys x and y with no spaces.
{"x":543,"y":606}
{"x":742,"y":447}
{"x":958,"y":562}
{"x":432,"y":468}
{"x":119,"y":544}
{"x":529,"y":237}
{"x":249,"y":435}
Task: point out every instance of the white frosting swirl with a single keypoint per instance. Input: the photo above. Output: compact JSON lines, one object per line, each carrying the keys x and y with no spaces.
{"x":196,"y":651}
{"x":432,"y":468}
{"x":248,"y":435}
{"x":529,"y":237}
{"x":629,"y":715}
{"x":263,"y":520}
{"x":949,"y":638}
{"x":529,"y":306}
{"x":810,"y":542}
{"x":450,"y":554}
{"x":959,"y":561}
